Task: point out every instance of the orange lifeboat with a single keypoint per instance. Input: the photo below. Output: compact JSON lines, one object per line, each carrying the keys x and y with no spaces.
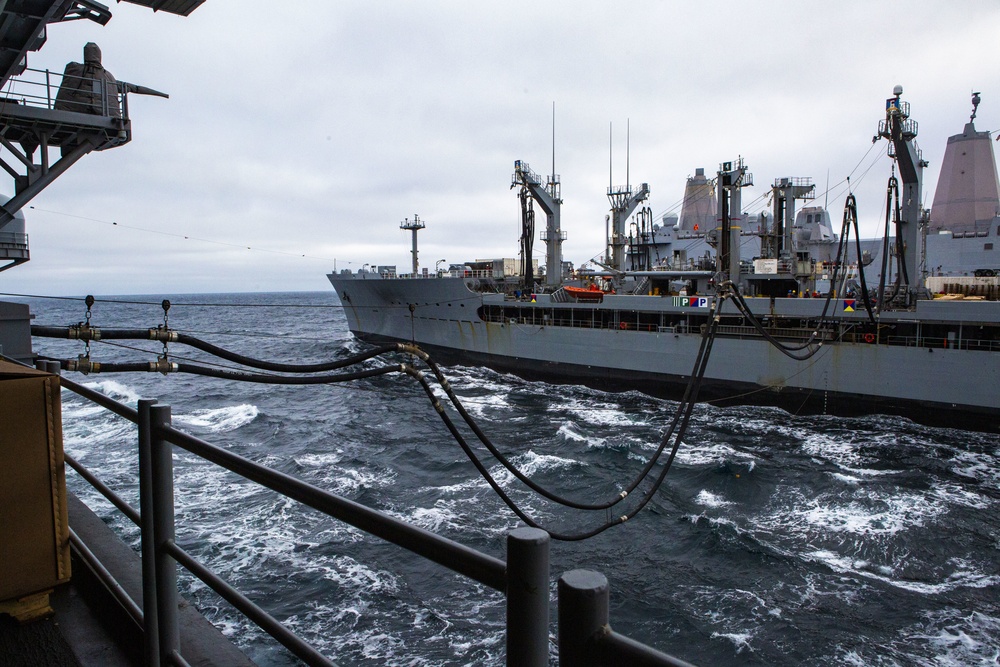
{"x":592,"y":293}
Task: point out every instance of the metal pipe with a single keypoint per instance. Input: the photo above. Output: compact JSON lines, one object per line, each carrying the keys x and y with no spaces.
{"x":177,"y":659}
{"x":108,"y":579}
{"x":583,"y":616}
{"x":28,"y":193}
{"x":251,"y":610}
{"x":621,"y":650}
{"x":585,"y":635}
{"x":457,"y":557}
{"x":528,"y":597}
{"x":151,"y":637}
{"x":162,"y":464}
{"x":102,"y":400}
{"x":105,"y":490}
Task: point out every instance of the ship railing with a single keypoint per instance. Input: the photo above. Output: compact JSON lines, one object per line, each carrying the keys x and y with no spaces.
{"x":584,"y":635}
{"x":418,"y":276}
{"x":794,"y":333}
{"x":945,"y":343}
{"x":472,"y":273}
{"x":13,"y":239}
{"x":523,"y":173}
{"x":40,"y":88}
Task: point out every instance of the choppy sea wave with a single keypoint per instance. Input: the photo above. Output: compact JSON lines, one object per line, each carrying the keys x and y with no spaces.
{"x":775,"y":539}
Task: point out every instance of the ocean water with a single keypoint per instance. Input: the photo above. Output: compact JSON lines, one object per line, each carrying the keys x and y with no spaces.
{"x":775,"y":540}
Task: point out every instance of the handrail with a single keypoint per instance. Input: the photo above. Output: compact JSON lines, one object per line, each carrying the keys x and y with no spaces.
{"x":264,"y":620}
{"x":154,"y":615}
{"x":97,"y":397}
{"x":13,"y":238}
{"x":478,"y":566}
{"x":108,"y":579}
{"x":42,"y":93}
{"x":104,"y":490}
{"x":523,"y":578}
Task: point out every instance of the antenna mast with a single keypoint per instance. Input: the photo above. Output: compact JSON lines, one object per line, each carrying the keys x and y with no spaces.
{"x":611,"y":156}
{"x":826,"y":195}
{"x":623,"y":202}
{"x":413,"y":226}
{"x":553,"y":140}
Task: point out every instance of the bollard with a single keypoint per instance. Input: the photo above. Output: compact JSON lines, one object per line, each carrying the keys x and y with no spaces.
{"x":162,"y":464}
{"x":528,"y":597}
{"x":150,"y":624}
{"x":583,"y":616}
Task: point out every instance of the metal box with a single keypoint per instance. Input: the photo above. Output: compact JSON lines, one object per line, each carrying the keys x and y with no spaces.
{"x":34,"y":527}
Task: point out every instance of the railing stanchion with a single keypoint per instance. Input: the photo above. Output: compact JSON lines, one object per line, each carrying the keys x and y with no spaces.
{"x":583,"y":616}
{"x":162,"y":463}
{"x":584,"y":636}
{"x":528,"y":597}
{"x":150,"y":625}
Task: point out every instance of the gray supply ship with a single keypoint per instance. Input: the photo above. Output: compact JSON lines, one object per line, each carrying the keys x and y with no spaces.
{"x":871,"y":344}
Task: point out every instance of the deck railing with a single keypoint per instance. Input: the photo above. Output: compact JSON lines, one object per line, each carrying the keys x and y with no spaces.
{"x":39,"y":88}
{"x":584,"y":636}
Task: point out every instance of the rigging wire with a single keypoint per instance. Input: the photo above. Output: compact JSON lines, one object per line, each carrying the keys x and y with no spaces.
{"x":172,"y":303}
{"x":187,"y":237}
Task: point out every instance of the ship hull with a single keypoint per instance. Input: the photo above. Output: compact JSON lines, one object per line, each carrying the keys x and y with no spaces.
{"x":620,"y":344}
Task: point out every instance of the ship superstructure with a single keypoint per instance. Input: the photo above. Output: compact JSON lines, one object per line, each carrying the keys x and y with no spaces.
{"x":798,"y":324}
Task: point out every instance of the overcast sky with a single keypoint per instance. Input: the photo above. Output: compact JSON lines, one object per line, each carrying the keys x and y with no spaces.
{"x":302,"y":133}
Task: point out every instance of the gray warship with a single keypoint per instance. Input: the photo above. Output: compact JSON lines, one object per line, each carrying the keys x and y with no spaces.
{"x":911,"y":329}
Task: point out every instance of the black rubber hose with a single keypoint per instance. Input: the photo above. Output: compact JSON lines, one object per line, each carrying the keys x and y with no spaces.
{"x":892,"y":210}
{"x":260,"y":378}
{"x":697,"y":373}
{"x":192,"y":341}
{"x":573,"y":537}
{"x":86,"y":333}
{"x":222,"y":353}
{"x":852,"y":211}
{"x":788,"y":351}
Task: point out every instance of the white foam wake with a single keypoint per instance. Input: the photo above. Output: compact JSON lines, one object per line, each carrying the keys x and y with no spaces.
{"x":219,"y":420}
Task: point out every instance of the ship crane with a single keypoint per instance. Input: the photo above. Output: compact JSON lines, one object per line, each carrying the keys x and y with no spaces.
{"x":730,"y":182}
{"x":900,"y":130}
{"x":548,"y":197}
{"x":779,"y":241}
{"x":623,"y":202}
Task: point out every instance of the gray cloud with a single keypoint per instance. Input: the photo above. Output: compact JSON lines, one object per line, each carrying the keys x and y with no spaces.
{"x":315,"y":129}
